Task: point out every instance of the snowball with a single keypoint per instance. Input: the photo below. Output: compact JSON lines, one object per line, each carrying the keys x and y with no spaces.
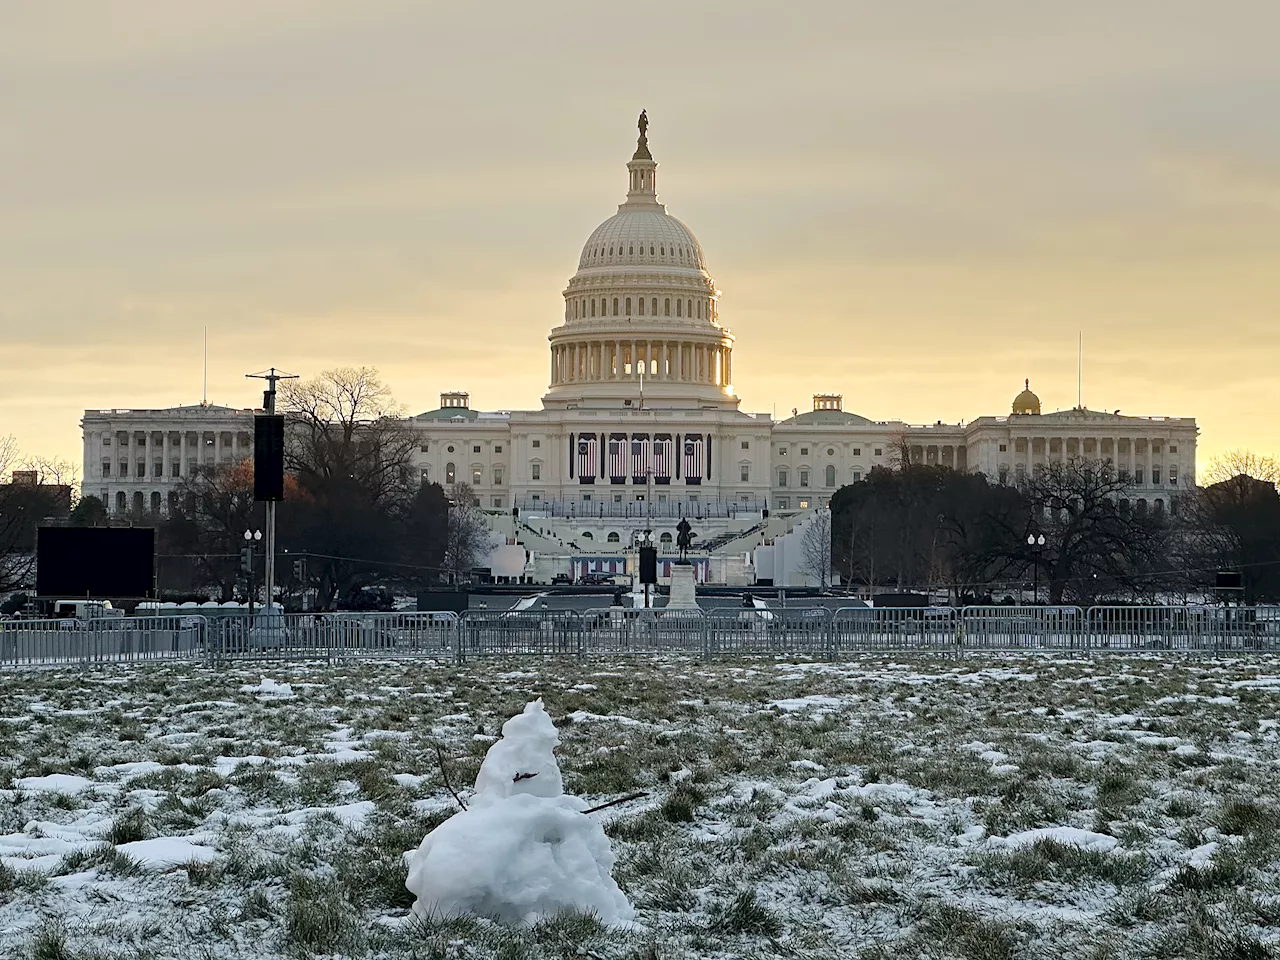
{"x":523,"y":850}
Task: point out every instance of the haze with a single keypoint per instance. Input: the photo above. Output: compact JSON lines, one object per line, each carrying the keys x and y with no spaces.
{"x":916,"y":205}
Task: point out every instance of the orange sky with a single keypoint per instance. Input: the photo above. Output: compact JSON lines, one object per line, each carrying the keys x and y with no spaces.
{"x":916,"y":207}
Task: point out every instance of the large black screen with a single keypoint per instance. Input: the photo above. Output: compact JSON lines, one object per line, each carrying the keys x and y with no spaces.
{"x":96,"y":562}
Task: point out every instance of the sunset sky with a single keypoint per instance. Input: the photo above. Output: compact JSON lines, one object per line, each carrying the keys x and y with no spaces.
{"x":915,"y":204}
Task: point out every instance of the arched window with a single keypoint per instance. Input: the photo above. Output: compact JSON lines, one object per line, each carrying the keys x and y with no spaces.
{"x":1159,"y":507}
{"x":679,"y":304}
{"x":631,"y":250}
{"x":665,"y":539}
{"x":611,"y":251}
{"x":654,"y":304}
{"x":1142,"y":507}
{"x":613,"y":537}
{"x":662,"y":251}
{"x":137,"y":501}
{"x":575,"y":309}
{"x":650,"y":250}
{"x":830,"y":475}
{"x":615,"y":306}
{"x":450,"y":473}
{"x":666,"y":307}
{"x":689,"y":312}
{"x":155,"y":501}
{"x":586,"y":535}
{"x":628,"y":306}
{"x":699,"y":309}
{"x":122,"y":502}
{"x":641,"y":306}
{"x":593,"y":306}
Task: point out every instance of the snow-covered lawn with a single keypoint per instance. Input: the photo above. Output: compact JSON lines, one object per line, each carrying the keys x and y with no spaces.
{"x":1019,"y":807}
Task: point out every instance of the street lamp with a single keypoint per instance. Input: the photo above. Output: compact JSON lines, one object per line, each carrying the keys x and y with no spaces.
{"x":1036,"y":543}
{"x":251,"y":538}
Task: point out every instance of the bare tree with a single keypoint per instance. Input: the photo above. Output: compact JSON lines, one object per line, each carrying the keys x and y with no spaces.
{"x":23,"y":505}
{"x":1094,"y":542}
{"x":901,"y":455}
{"x":469,"y":538}
{"x":345,"y":428}
{"x":1237,"y":463}
{"x":815,"y":547}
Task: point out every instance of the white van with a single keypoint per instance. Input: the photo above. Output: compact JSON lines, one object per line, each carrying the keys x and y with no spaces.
{"x":83,"y":610}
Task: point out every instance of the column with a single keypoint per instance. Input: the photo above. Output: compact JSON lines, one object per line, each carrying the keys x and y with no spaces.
{"x":728,"y":362}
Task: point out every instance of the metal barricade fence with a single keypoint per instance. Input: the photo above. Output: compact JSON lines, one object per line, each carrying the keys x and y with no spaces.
{"x":870,"y":629}
{"x":1191,"y":629}
{"x":609,"y":630}
{"x":109,"y":639}
{"x":518,"y":632}
{"x":789,"y":631}
{"x":333,"y":636}
{"x":1016,"y":629}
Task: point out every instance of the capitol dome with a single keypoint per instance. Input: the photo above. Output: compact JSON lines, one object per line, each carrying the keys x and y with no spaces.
{"x":641,"y":306}
{"x":642,"y":238}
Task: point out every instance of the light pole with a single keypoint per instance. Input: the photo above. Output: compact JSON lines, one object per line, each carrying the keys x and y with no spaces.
{"x":1036,"y":542}
{"x":251,"y":538}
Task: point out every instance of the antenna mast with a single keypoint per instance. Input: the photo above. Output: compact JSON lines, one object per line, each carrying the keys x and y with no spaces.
{"x":204,"y":388}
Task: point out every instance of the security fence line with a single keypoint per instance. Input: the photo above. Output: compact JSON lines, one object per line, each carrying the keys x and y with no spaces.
{"x":614,"y":631}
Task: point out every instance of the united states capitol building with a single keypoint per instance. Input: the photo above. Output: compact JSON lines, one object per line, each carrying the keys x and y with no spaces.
{"x":641,"y":425}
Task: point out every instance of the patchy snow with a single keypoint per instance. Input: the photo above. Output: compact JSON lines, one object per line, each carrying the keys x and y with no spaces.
{"x":816,"y":702}
{"x":522,"y":851}
{"x":55,"y":783}
{"x":269,"y":689}
{"x":161,"y":852}
{"x":1070,"y":836}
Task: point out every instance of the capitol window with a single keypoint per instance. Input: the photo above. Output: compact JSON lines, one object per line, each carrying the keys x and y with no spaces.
{"x":678,"y":305}
{"x":654,"y":303}
{"x":450,"y":473}
{"x":106,"y":468}
{"x":804,"y":478}
{"x":857,"y":476}
{"x":477,"y":476}
{"x":475,"y":448}
{"x":641,"y":306}
{"x":537,"y":444}
{"x":804,"y":451}
{"x":746,"y":444}
{"x":628,"y":306}
{"x":830,"y":476}
{"x":615,"y":306}
{"x":746,"y":473}
{"x":593,"y":307}
{"x":497,"y":448}
{"x":782,"y":478}
{"x":662,"y":251}
{"x":877,"y":451}
{"x":613,"y":537}
{"x":535,"y":471}
{"x":857,"y":451}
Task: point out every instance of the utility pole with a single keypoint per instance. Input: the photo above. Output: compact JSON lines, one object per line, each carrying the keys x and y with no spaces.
{"x":269,"y":407}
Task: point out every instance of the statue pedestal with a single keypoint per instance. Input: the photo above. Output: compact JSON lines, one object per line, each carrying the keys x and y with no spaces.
{"x":683,"y":591}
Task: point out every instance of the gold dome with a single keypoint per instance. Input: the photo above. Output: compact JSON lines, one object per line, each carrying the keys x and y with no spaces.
{"x":1026,"y":402}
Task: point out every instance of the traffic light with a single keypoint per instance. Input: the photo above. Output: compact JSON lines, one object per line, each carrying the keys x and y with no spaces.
{"x":246,"y":559}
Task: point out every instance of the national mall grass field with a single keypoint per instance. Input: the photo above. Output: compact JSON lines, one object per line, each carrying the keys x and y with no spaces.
{"x":1032,"y":806}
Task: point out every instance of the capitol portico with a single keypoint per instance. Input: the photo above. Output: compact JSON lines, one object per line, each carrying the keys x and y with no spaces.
{"x":641,"y":424}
